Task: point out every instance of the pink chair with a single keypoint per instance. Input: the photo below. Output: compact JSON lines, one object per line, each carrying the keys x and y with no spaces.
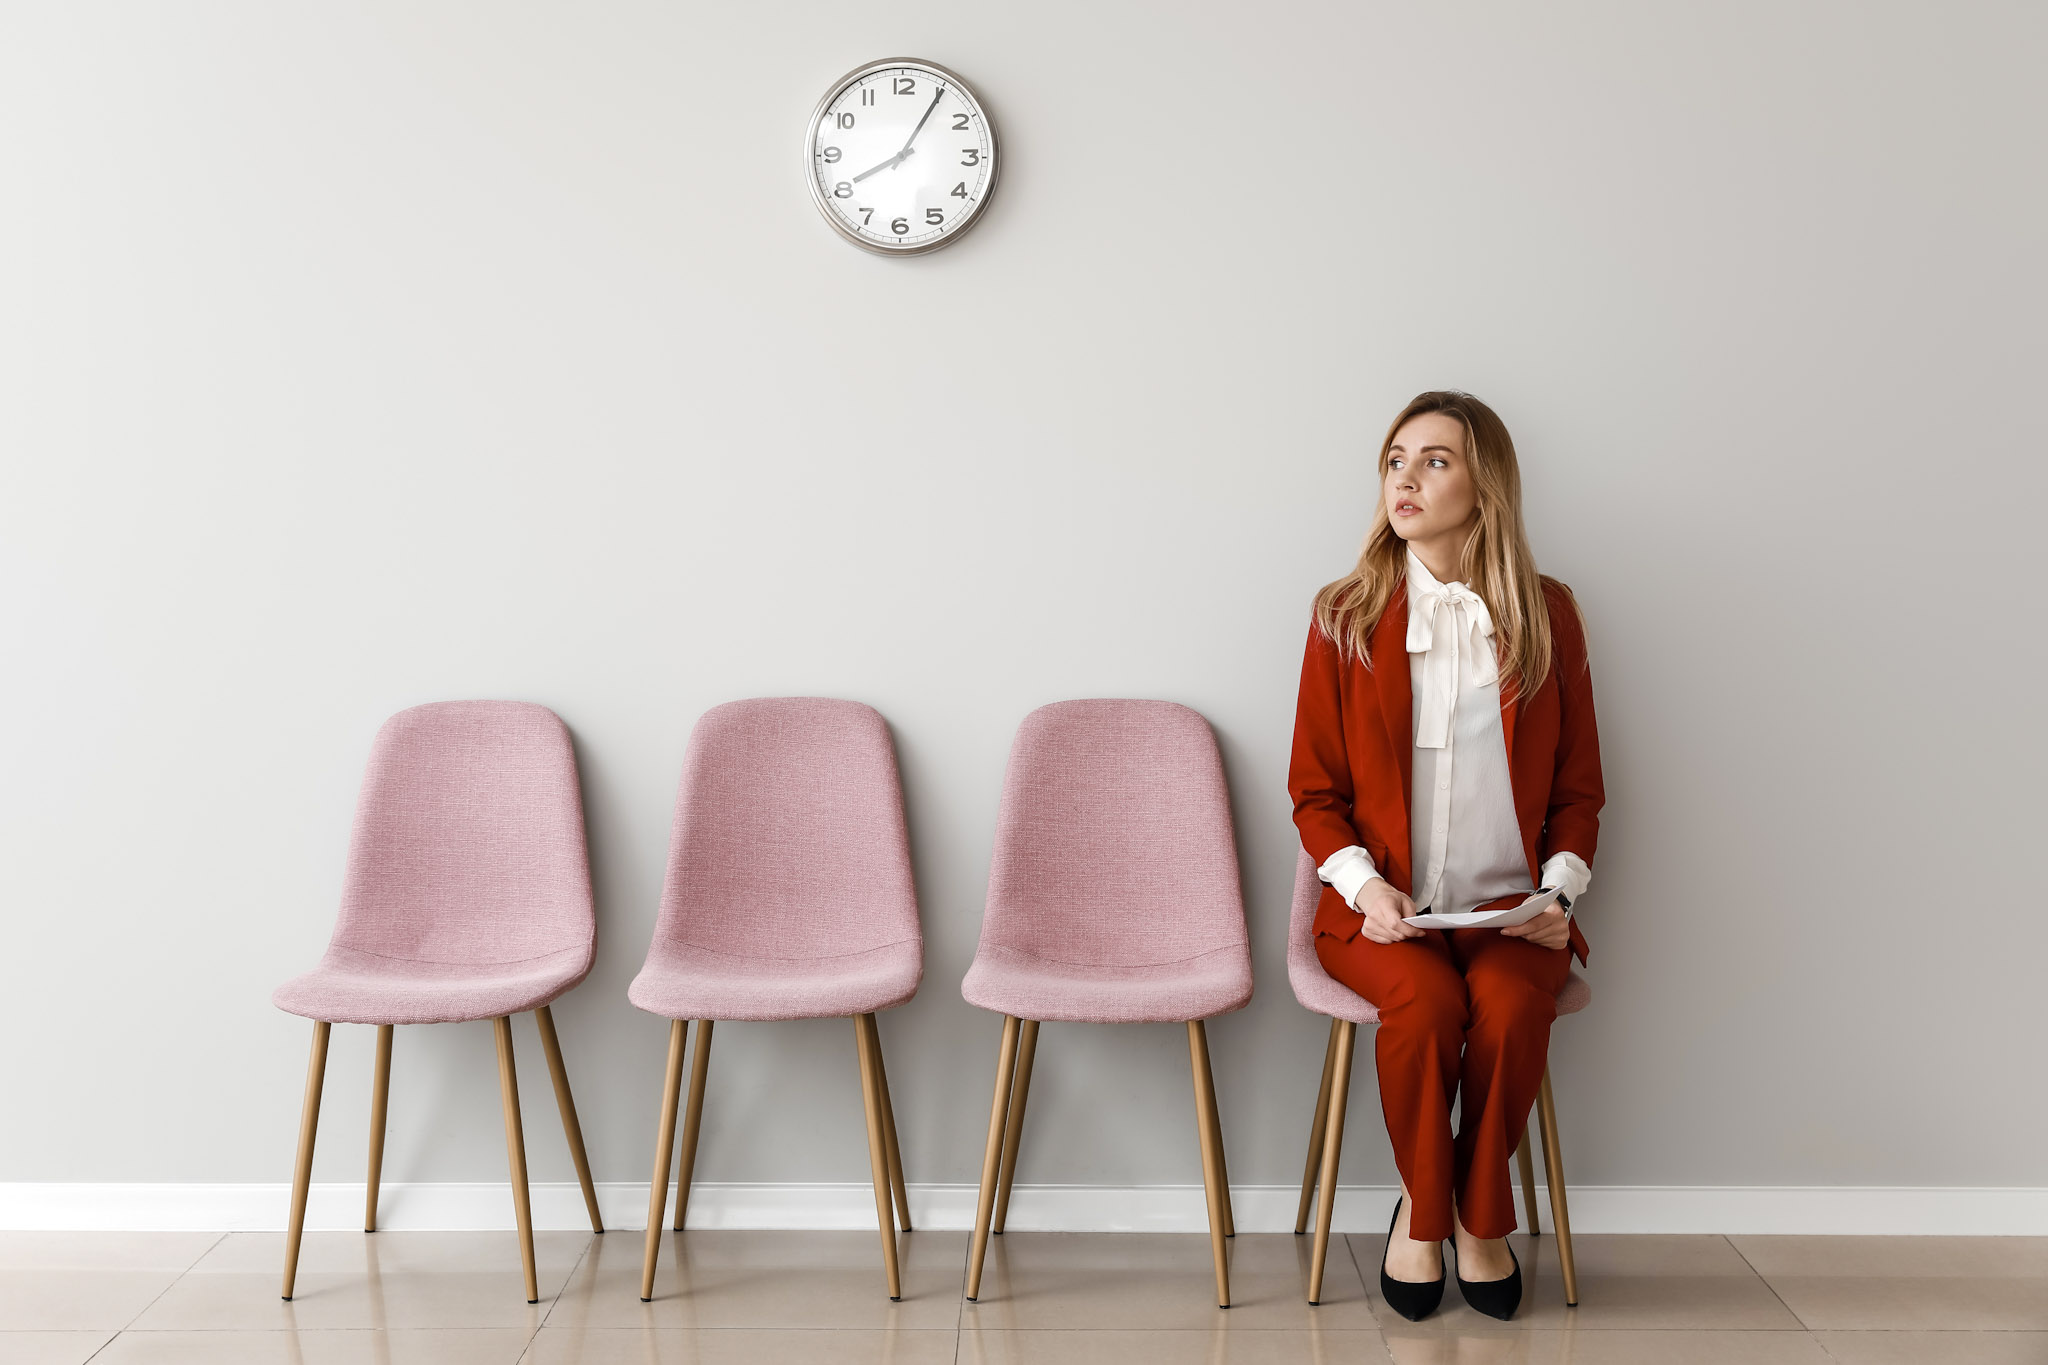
{"x":1318,"y":991}
{"x":1113,"y":898}
{"x":467,"y":897}
{"x":789,"y":896}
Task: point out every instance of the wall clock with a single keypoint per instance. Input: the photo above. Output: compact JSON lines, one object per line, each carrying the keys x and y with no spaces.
{"x":902,"y":156}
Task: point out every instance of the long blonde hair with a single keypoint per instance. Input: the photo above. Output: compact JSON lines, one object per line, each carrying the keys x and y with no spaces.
{"x":1494,"y":562}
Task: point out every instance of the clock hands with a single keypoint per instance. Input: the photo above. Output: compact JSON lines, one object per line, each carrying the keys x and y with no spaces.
{"x":898,"y":159}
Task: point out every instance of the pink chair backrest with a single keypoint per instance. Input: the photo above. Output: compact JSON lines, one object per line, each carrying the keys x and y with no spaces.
{"x":1301,"y":917}
{"x":789,"y":836}
{"x":1114,"y":844}
{"x":468,"y":844}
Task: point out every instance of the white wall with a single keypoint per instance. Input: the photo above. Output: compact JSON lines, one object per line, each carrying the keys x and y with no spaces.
{"x":354,"y":356}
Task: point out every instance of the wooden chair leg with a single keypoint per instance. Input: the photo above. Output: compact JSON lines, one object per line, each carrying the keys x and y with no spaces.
{"x":878,"y":1154}
{"x":1222,"y":1164}
{"x":566,"y":1103}
{"x":1528,"y":1165}
{"x":1211,"y":1136}
{"x":664,"y":1151}
{"x":302,"y":1170}
{"x":515,"y":1155}
{"x":992,"y":1155}
{"x":1013,"y":1131}
{"x":380,"y":1096}
{"x":1315,"y":1133}
{"x":1333,"y":1151}
{"x":896,"y":1185}
{"x":693,"y":1121}
{"x":1553,"y":1175}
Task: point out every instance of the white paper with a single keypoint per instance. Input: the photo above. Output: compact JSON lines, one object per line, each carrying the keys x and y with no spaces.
{"x":1490,"y":919}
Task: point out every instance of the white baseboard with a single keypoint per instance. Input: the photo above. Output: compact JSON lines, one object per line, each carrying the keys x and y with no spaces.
{"x":1057,"y":1208}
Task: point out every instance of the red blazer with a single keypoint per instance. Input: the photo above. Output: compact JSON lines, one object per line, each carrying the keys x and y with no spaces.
{"x":1354,"y":749}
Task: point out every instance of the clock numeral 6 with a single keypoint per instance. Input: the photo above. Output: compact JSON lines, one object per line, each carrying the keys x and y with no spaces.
{"x":934,"y":217}
{"x":970,"y":156}
{"x":846,"y":120}
{"x":831,"y":155}
{"x":843,"y":190}
{"x":905,"y":86}
{"x":900,"y":226}
{"x":959,"y":191}
{"x":959,"y":123}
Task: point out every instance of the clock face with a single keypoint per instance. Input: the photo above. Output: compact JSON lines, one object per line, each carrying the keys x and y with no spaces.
{"x":902,"y":157}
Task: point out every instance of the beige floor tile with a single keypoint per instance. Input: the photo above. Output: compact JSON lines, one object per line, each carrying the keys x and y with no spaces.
{"x":1897,"y":1304}
{"x":50,"y":1348}
{"x":1625,"y":1281}
{"x":1903,"y":1257}
{"x":1415,"y":1346}
{"x":743,"y":1346}
{"x":325,"y":1347}
{"x":1236,"y":1346}
{"x":238,"y":1302}
{"x":722,"y":1279}
{"x":358,"y":1253}
{"x":1162,"y":1281}
{"x":79,"y":1300}
{"x":1936,"y":1348}
{"x":103,"y":1250}
{"x":1907,"y":1283}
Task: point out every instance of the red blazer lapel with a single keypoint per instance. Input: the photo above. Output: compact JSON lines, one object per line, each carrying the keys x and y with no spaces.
{"x":1397,"y":701}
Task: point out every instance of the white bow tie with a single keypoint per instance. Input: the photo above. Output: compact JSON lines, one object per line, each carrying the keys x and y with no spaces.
{"x":1467,"y":626}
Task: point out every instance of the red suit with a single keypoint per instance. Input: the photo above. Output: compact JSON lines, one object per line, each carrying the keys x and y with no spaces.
{"x":1464,"y":1012}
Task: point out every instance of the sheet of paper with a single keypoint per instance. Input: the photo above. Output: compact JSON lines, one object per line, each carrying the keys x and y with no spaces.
{"x":1491,"y":919}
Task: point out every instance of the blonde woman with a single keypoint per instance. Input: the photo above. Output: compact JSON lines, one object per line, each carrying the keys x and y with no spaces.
{"x":1446,"y":759}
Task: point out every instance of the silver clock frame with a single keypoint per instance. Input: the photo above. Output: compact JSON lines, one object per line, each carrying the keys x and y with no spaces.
{"x":973,"y":215}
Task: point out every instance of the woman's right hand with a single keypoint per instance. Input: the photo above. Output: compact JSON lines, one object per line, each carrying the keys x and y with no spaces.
{"x":1386,"y":913}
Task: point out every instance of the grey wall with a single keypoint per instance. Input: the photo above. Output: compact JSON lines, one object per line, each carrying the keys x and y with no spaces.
{"x":357,"y":356}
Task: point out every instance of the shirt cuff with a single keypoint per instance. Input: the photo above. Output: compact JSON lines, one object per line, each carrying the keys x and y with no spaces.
{"x":1568,"y":872}
{"x":1348,"y":870}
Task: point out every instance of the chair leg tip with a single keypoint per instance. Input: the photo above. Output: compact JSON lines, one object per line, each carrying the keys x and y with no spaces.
{"x":895,"y":1298}
{"x":533,"y":1300}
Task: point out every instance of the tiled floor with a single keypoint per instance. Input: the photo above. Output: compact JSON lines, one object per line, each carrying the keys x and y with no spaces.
{"x":723,"y":1298}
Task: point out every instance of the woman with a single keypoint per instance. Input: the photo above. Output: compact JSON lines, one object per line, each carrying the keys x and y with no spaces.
{"x":1445,"y":666}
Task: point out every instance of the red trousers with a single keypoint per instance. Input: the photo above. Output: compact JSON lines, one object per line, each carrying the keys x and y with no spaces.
{"x":1463,"y":1012}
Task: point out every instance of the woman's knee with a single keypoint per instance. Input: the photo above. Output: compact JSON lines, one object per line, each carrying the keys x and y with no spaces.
{"x":1510,"y":1004}
{"x":1427,"y":1008}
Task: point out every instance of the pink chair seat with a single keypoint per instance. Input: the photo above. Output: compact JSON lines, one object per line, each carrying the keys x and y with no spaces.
{"x":1200,"y":987}
{"x":683,"y":981}
{"x":1322,"y":993}
{"x":349,"y":987}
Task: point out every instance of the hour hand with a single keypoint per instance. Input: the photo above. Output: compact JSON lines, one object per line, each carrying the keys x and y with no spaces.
{"x":895,"y":160}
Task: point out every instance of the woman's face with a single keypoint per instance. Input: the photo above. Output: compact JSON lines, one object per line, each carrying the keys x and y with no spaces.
{"x":1428,"y":490}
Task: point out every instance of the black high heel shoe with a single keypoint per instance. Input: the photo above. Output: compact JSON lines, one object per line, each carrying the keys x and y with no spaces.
{"x":1495,"y":1298}
{"x":1411,"y":1300}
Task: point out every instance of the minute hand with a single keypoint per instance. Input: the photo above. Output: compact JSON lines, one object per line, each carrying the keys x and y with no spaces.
{"x":921,"y":122}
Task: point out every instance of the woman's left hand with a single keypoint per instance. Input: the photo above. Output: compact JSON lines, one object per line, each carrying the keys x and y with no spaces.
{"x":1548,"y":930}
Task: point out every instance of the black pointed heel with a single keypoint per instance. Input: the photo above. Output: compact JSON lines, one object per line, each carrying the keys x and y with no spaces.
{"x":1411,"y":1300}
{"x":1495,"y":1298}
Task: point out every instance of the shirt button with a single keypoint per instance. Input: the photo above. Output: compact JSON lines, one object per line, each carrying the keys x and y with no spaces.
{"x":1443,"y":786}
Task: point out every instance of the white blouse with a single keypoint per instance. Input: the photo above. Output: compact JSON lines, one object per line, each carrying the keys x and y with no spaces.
{"x":1465,"y":842}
